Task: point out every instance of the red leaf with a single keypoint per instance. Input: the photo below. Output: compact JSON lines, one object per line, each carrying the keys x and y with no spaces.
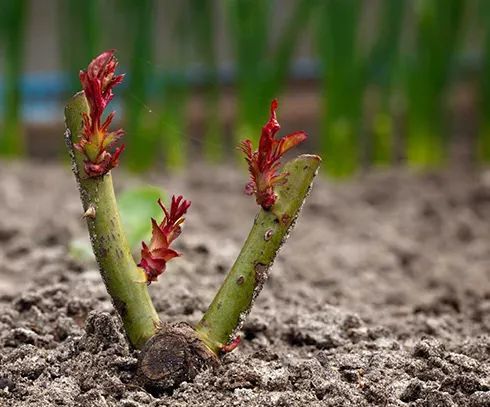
{"x":155,"y":256}
{"x":264,"y":163}
{"x":96,"y":140}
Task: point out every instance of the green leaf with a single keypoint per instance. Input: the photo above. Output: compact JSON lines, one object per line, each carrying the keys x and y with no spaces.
{"x":137,"y":206}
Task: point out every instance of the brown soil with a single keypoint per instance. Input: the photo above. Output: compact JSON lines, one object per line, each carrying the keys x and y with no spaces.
{"x":380,"y":297}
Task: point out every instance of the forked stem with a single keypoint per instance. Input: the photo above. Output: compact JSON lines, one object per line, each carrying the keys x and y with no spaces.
{"x":173,"y":353}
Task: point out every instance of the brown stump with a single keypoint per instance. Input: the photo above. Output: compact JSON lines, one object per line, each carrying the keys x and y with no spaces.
{"x":175,"y":354}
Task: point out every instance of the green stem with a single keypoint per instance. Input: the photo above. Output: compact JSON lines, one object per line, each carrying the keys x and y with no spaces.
{"x":245,"y":280}
{"x":122,"y":278}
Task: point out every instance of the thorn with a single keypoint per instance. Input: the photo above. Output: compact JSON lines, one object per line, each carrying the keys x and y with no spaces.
{"x":90,"y":212}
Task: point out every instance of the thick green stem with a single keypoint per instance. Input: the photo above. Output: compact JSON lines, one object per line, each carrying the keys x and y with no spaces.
{"x":247,"y":276}
{"x":123,"y":279}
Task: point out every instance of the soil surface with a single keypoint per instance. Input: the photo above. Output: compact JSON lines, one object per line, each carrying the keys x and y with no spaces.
{"x":380,"y":297}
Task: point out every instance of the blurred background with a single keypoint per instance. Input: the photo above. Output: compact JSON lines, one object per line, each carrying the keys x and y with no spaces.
{"x":376,"y":83}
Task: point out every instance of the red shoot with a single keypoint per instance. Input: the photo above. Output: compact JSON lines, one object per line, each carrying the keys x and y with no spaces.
{"x":264,"y":164}
{"x":97,"y":83}
{"x":230,"y":346}
{"x":154,"y":257}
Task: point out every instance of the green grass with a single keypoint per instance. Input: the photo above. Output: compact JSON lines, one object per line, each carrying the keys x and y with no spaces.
{"x":342,"y":76}
{"x":203,"y":34}
{"x":80,"y":36}
{"x":384,"y":71}
{"x":139,"y":19}
{"x":262,"y":65}
{"x":483,"y":141}
{"x":13,"y":18}
{"x":438,"y":26}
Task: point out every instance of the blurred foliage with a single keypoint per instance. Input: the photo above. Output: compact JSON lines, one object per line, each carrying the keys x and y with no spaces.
{"x":483,"y":145}
{"x":173,"y":88}
{"x":383,"y":62}
{"x":202,"y":16}
{"x":262,"y":68}
{"x":136,"y":206}
{"x":138,"y":18}
{"x":80,"y":24}
{"x":342,"y":74}
{"x":13,"y":18}
{"x":384,"y":69}
{"x":437,"y":23}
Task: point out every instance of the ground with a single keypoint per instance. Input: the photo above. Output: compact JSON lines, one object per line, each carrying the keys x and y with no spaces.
{"x":381,"y":296}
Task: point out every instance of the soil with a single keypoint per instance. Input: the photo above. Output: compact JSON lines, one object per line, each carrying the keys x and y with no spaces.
{"x":380,"y":297}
